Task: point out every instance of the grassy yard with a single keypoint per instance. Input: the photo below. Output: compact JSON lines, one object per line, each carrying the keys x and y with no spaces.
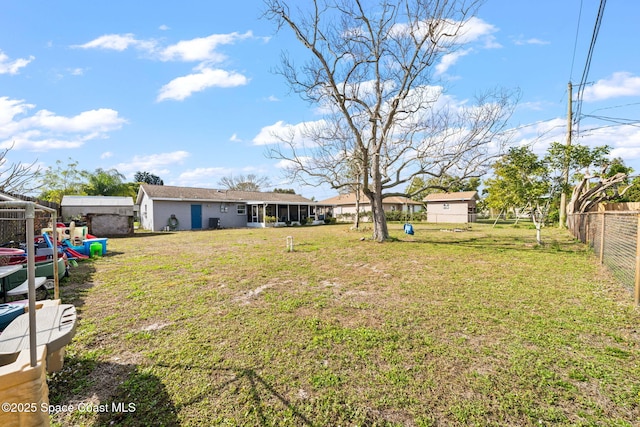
{"x":477,"y":327}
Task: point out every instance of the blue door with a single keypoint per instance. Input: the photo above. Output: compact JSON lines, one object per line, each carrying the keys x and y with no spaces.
{"x":196,"y":217}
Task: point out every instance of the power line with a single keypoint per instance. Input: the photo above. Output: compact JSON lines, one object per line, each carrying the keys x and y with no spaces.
{"x":616,"y":106}
{"x":585,"y":72}
{"x":575,"y":43}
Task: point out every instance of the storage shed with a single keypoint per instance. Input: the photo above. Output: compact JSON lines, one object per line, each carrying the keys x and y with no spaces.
{"x":459,"y":208}
{"x":104,"y":215}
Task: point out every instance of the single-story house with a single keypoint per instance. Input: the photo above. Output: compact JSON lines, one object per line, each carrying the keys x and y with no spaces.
{"x":345,"y":204}
{"x":452,"y":207}
{"x":104,"y":215}
{"x":164,"y":207}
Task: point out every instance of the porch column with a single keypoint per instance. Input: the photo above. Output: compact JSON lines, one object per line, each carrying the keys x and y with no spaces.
{"x":289,"y":213}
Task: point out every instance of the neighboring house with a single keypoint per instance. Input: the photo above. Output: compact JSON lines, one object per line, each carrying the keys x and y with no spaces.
{"x":345,"y":204}
{"x":105,"y":215}
{"x":164,"y":207}
{"x":452,"y":207}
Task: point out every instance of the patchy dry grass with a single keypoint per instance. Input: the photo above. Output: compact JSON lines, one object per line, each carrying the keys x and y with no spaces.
{"x":478,"y":327}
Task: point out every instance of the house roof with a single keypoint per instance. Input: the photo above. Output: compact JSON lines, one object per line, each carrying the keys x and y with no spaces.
{"x":96,"y":201}
{"x":168,"y":192}
{"x":461,"y":196}
{"x":350,"y":199}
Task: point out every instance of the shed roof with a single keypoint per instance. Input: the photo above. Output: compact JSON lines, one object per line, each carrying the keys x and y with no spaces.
{"x":168,"y":192}
{"x":462,"y":196}
{"x":96,"y":201}
{"x":350,"y":199}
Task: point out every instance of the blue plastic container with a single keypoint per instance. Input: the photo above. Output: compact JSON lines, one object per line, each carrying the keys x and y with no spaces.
{"x":88,"y":242}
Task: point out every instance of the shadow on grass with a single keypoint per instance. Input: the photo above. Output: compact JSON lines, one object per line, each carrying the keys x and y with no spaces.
{"x":110,"y":394}
{"x":258,"y":387}
{"x":142,"y":234}
{"x":73,"y":289}
{"x":496,"y":244}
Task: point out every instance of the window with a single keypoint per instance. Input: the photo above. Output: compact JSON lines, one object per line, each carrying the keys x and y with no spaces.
{"x":224,"y":207}
{"x":242,"y":209}
{"x":445,"y":206}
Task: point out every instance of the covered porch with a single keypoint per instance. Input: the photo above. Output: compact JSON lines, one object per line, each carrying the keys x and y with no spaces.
{"x":263,"y":214}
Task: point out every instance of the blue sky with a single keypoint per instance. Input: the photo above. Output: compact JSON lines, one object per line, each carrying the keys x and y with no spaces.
{"x":186,"y":90}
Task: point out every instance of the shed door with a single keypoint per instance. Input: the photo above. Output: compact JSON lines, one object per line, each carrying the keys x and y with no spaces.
{"x":196,"y":217}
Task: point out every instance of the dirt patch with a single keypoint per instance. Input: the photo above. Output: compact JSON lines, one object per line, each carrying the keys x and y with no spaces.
{"x":252,"y":294}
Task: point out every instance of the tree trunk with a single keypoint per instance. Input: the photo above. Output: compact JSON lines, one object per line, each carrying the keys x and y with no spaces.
{"x":356,"y":220}
{"x":538,"y":221}
{"x":380,"y":230}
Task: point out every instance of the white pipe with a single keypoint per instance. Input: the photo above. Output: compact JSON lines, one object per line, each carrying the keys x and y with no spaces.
{"x":54,"y":238}
{"x":30,"y":214}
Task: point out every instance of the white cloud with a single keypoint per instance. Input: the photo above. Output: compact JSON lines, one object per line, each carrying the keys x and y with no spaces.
{"x":450,"y":59}
{"x":470,"y":31}
{"x":475,"y":29}
{"x":624,"y":140}
{"x":288,"y":164}
{"x":619,"y":84}
{"x":154,"y":163}
{"x":234,"y":138}
{"x":183,"y":87}
{"x":535,"y":41}
{"x":12,"y":67}
{"x":119,"y":42}
{"x":200,"y":173}
{"x":106,"y":155}
{"x":76,"y":71}
{"x":164,"y":27}
{"x":10,"y":108}
{"x":281,"y":131}
{"x":45,"y":130}
{"x":201,"y":48}
{"x":203,"y":177}
{"x":541,"y":134}
{"x":209,"y":177}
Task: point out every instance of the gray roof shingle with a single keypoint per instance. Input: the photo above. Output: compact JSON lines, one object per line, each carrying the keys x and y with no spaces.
{"x":168,"y":192}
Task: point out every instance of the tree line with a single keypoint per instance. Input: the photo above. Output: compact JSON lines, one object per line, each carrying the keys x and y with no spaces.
{"x":69,"y":179}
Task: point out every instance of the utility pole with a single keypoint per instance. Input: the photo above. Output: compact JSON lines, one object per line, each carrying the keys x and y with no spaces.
{"x":565,"y":172}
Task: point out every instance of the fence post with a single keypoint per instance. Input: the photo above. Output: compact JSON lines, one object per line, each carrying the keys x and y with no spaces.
{"x":636,"y":293}
{"x":602,"y":239}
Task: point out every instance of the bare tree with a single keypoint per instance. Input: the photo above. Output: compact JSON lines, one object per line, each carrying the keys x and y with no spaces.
{"x":250,"y":182}
{"x":18,"y":178}
{"x":371,"y":69}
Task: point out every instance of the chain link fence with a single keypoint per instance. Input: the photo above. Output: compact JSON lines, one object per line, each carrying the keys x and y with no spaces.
{"x":615,"y":239}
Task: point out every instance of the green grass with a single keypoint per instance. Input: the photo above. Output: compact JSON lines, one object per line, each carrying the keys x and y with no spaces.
{"x":226,"y":327}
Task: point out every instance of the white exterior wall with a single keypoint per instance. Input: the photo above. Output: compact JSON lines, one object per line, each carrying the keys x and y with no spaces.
{"x":351,"y":209}
{"x":458,"y":212}
{"x":146,"y":214}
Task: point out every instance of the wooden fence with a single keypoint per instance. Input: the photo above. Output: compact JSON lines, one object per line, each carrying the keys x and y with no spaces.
{"x":615,"y":239}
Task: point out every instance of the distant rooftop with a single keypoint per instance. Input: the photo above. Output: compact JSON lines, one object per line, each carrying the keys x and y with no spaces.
{"x":451,"y":197}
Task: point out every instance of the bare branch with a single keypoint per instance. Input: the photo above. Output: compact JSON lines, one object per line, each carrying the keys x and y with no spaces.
{"x":370,"y":69}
